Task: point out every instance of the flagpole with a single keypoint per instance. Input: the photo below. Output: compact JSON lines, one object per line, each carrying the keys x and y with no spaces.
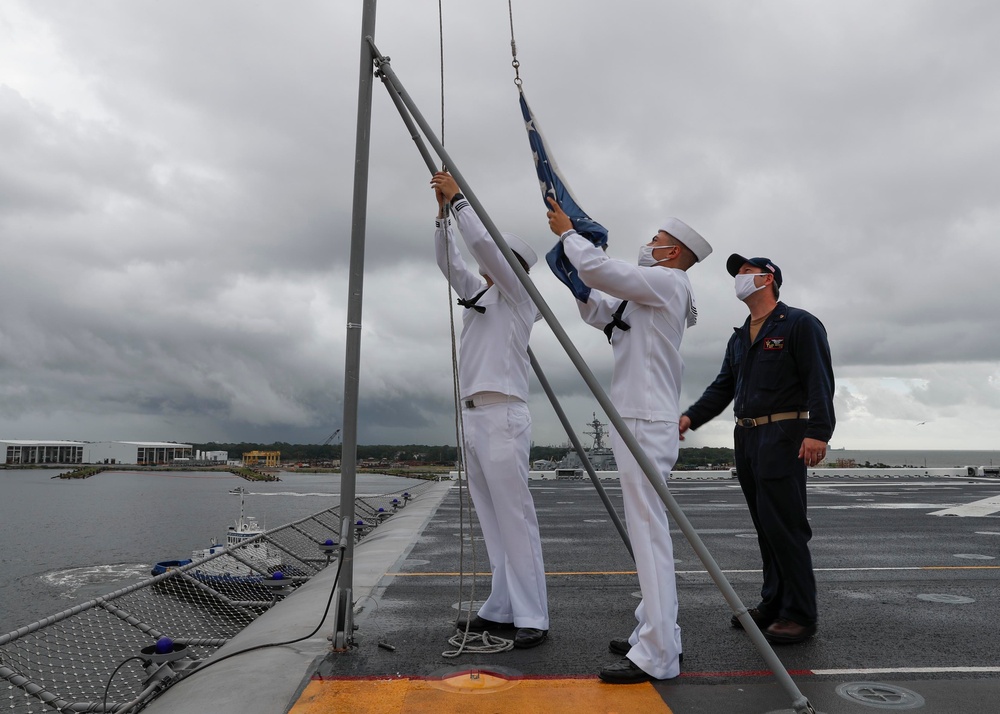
{"x":343,"y":605}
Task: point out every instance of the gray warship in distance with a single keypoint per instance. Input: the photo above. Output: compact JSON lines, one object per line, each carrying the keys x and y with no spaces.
{"x":600,"y":454}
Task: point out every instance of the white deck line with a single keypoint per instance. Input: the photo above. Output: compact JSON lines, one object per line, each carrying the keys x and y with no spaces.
{"x":909,"y":670}
{"x":984,"y":507}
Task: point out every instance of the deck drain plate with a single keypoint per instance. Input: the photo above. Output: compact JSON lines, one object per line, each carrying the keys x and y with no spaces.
{"x":475,"y":679}
{"x":880,"y":696}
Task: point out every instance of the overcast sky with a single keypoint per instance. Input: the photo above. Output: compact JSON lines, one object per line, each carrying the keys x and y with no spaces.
{"x":176,"y":192}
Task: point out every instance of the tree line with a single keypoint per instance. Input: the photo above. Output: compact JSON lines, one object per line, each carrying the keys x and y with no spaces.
{"x":689,"y":458}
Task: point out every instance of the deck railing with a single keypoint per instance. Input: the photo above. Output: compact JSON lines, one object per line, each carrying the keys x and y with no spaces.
{"x":108,"y":654}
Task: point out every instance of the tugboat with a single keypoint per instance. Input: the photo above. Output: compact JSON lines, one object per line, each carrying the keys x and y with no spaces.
{"x":225,"y":571}
{"x":601,"y":456}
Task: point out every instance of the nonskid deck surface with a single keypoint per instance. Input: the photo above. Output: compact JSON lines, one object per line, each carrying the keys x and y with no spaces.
{"x":907,"y":598}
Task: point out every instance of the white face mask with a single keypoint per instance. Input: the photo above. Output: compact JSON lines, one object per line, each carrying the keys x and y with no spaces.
{"x":646,"y":258}
{"x":745,"y":285}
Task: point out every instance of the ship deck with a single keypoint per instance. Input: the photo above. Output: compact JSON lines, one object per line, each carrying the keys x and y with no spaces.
{"x":906,"y":570}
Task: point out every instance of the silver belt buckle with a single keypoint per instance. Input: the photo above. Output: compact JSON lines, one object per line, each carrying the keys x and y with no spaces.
{"x":748,"y":423}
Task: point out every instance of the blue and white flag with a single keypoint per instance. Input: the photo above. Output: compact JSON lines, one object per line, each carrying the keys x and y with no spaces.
{"x":553,"y":185}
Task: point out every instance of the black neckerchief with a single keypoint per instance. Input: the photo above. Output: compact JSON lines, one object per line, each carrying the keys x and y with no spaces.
{"x":617,"y":321}
{"x":471,"y":302}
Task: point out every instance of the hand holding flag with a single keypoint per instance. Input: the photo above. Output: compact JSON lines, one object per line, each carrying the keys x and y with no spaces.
{"x":559,"y":222}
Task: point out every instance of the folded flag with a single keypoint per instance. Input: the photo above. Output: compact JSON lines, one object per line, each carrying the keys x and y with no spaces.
{"x":553,"y":185}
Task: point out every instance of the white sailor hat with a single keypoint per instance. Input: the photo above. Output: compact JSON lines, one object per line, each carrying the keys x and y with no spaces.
{"x":688,"y":236}
{"x":524,"y":250}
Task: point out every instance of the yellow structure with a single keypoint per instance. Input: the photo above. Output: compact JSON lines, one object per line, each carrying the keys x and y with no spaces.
{"x":262,"y":458}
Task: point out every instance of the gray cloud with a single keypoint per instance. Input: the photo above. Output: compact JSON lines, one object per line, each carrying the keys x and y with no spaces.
{"x":176,"y":203}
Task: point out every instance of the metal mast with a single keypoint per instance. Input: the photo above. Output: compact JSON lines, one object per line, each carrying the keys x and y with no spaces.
{"x":343,"y":609}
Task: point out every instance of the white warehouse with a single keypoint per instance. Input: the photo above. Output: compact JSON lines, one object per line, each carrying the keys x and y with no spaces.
{"x":29,"y":451}
{"x":144,"y":453}
{"x":26,"y":451}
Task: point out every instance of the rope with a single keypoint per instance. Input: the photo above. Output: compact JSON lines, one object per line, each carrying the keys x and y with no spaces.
{"x":465,"y":643}
{"x":460,"y":640}
{"x":464,"y":504}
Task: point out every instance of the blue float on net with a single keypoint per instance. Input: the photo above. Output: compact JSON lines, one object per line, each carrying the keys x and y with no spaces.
{"x":329,"y":541}
{"x":164,"y":645}
{"x":277,"y":575}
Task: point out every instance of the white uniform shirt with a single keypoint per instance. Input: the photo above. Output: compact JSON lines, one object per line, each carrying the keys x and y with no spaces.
{"x":493,"y":356}
{"x":648,"y":365}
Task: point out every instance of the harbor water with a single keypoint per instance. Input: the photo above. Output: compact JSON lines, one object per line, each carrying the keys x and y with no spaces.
{"x":63,"y":542}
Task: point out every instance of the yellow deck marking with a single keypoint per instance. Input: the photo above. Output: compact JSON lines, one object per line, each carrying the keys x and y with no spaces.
{"x":477,"y":693}
{"x":961,"y":567}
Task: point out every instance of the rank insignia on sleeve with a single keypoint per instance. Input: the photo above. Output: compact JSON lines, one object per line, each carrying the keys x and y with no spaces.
{"x":774,"y":343}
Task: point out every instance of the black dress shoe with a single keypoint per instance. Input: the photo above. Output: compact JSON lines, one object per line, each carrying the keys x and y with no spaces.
{"x":763,"y":621}
{"x":624,"y":672}
{"x":622,"y":647}
{"x":619,"y":647}
{"x":786,"y":632}
{"x":528,"y":637}
{"x":481,"y":624}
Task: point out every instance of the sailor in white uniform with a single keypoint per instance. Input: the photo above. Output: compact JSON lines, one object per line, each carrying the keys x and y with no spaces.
{"x":644,"y":310}
{"x":493,"y":380}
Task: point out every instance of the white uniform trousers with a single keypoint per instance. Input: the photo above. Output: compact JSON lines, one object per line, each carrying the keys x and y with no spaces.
{"x":656,"y":640}
{"x":498,"y":440}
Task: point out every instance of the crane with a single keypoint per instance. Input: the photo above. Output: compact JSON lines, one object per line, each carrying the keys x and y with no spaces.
{"x":331,"y":437}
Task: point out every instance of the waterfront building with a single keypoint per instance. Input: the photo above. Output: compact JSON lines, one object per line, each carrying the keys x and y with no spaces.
{"x":31,"y":451}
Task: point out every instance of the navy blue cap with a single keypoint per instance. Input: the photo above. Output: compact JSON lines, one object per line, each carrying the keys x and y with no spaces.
{"x":737,"y":261}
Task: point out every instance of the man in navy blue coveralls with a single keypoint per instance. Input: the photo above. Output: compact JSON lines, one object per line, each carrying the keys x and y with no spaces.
{"x":778,"y":374}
